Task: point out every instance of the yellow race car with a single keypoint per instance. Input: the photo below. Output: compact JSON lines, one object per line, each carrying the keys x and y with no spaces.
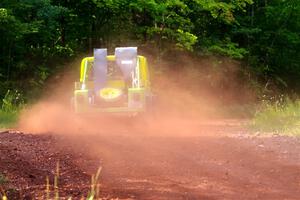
{"x":113,"y":83}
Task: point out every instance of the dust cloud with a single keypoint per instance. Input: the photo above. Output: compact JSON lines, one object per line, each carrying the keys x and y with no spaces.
{"x":188,"y":92}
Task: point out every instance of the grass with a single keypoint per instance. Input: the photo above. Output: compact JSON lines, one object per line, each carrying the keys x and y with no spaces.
{"x":11,"y":105}
{"x":52,"y":192}
{"x":8,"y":119}
{"x":92,"y":195}
{"x":280,"y":117}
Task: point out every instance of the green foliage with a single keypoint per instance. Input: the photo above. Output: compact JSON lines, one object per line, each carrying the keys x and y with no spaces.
{"x":223,"y":11}
{"x":228,"y":49}
{"x":186,"y":40}
{"x":8,"y":120}
{"x":270,"y":32}
{"x":12,"y":102}
{"x":281,"y":116}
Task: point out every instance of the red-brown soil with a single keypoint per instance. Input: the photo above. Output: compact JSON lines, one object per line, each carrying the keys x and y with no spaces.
{"x":212,"y":161}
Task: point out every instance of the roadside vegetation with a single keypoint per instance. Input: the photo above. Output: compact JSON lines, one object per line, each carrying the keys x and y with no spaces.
{"x":7,"y":120}
{"x":280,"y":117}
{"x":12,"y":103}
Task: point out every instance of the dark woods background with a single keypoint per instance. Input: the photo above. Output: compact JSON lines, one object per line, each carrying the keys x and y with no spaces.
{"x":39,"y":36}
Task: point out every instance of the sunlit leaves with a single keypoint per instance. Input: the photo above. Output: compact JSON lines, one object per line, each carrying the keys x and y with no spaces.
{"x":223,"y":10}
{"x":186,"y":40}
{"x":3,"y":14}
{"x":229,"y":49}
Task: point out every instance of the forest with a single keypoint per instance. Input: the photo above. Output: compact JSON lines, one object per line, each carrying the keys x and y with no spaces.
{"x":39,"y":36}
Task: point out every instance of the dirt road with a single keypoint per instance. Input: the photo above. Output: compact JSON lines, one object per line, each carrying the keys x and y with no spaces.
{"x":219,"y":160}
